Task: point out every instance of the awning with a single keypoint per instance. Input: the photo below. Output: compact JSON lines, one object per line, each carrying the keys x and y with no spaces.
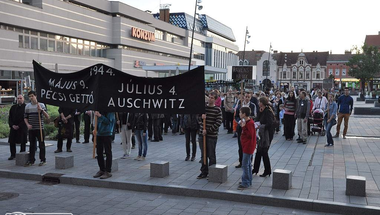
{"x":347,"y":79}
{"x":182,"y":69}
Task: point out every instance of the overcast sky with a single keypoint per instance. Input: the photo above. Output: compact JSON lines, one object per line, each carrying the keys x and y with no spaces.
{"x":292,"y":25}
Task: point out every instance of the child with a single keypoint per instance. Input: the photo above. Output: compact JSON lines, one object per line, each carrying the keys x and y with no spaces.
{"x":248,"y":143}
{"x":281,"y":113}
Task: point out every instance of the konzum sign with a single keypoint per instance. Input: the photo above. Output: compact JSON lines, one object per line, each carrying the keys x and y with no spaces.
{"x":142,"y":34}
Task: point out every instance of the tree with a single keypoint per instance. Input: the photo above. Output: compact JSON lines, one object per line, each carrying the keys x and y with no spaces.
{"x":365,"y":64}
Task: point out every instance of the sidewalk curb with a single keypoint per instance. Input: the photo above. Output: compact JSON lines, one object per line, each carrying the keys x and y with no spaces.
{"x":268,"y":200}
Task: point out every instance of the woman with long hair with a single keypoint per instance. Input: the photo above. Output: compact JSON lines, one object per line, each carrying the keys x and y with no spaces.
{"x":266,"y":117}
{"x":289,"y":116}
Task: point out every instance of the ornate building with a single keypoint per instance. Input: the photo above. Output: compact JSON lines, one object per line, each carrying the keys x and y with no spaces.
{"x":302,"y":70}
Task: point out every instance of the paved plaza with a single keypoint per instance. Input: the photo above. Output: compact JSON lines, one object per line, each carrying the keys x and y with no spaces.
{"x":37,"y":198}
{"x":319,"y":173}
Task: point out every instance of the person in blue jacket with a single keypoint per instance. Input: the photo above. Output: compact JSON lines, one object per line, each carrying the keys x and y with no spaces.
{"x":106,"y":122}
{"x":345,"y":106}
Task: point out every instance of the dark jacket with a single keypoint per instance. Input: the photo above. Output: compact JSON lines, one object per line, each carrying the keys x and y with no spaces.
{"x":140,"y":122}
{"x":266,"y":117}
{"x":66,"y":112}
{"x":345,"y":104}
{"x":16,"y":116}
{"x":252,"y":106}
{"x":123,"y":119}
{"x":189,"y":121}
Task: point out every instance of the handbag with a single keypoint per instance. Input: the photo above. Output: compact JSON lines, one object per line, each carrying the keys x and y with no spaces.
{"x":333,"y":121}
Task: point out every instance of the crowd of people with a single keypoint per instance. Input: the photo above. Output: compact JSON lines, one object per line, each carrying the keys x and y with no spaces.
{"x":251,"y":117}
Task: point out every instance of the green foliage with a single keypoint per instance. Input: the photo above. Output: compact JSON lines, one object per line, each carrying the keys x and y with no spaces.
{"x":53,"y":112}
{"x":4,"y":130}
{"x":53,"y":135}
{"x":4,"y":113}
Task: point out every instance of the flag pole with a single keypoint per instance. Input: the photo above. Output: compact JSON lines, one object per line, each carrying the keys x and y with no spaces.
{"x":39,"y":120}
{"x":204,"y":143}
{"x":117,"y":118}
{"x":95,"y":131}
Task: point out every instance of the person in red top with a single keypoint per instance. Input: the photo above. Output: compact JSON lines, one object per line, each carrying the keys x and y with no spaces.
{"x":248,"y":143}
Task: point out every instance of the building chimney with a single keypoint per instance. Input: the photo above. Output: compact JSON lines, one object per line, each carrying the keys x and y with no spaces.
{"x":164,"y":12}
{"x":347,"y":52}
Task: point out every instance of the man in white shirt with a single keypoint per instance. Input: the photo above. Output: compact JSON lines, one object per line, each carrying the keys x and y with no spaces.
{"x":320,"y":102}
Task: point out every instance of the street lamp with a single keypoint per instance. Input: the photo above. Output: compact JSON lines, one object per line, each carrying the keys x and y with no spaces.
{"x":246,"y":41}
{"x":197,"y":2}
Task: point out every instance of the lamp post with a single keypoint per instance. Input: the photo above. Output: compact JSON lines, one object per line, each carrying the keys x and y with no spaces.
{"x":247,"y":36}
{"x":197,"y":2}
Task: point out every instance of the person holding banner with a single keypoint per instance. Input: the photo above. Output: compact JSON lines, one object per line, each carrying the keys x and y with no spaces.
{"x":126,"y":123}
{"x":105,"y":127}
{"x":33,"y":117}
{"x":140,"y":129}
{"x":213,"y":118}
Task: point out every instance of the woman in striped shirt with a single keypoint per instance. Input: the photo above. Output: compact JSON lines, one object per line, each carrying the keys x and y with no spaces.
{"x":289,"y":119}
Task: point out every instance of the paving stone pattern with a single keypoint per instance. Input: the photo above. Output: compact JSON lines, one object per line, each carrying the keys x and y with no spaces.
{"x":318,"y":172}
{"x":37,"y":198}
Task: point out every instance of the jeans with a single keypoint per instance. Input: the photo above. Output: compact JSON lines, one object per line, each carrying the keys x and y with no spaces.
{"x":191,"y":133}
{"x":210,"y":153}
{"x":329,"y":125}
{"x":229,"y":120}
{"x":246,"y":178}
{"x":103,"y":143}
{"x":35,"y":135}
{"x":240,"y":148}
{"x":143,"y":142}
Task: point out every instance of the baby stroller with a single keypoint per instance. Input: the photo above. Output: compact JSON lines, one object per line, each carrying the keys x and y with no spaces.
{"x":317,"y":122}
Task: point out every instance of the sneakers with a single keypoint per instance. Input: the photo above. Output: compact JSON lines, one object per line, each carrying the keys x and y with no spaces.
{"x":98,"y":174}
{"x":42,"y":163}
{"x":336,"y":136}
{"x":137,"y":158}
{"x":106,"y":175}
{"x":238,"y":166}
{"x":125,"y":156}
{"x":241,"y":187}
{"x":28,"y":164}
{"x":327,"y":145}
{"x":58,"y":151}
{"x":142,"y":158}
{"x":200,"y":176}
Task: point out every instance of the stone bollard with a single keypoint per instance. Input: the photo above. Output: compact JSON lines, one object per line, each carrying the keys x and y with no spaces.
{"x":22,"y":158}
{"x":282,"y":179}
{"x":355,"y":185}
{"x":218,"y":173}
{"x":64,"y":161}
{"x":159,"y":169}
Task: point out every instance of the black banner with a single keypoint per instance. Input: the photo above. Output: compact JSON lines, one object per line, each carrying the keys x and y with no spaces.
{"x":104,"y":88}
{"x":241,"y":72}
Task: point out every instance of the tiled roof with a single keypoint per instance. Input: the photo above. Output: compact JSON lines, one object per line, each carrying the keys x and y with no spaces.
{"x":372,"y":40}
{"x":312,"y":58}
{"x":251,"y":56}
{"x":339,"y":57}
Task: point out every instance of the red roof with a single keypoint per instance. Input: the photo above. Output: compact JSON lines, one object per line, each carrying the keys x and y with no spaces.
{"x":372,"y":40}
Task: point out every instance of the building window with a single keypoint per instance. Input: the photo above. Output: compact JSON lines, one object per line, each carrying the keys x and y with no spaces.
{"x":308,"y":75}
{"x":301,"y":62}
{"x":284,"y":75}
{"x":336,"y":71}
{"x":59,"y":46}
{"x":318,"y":75}
{"x":34,"y":42}
{"x":73,"y":49}
{"x":266,"y":68}
{"x":344,"y":73}
{"x":26,"y":42}
{"x":301,"y":75}
{"x":51,"y":47}
{"x":170,"y":37}
{"x":20,"y":41}
{"x":294,"y":75}
{"x":159,"y":34}
{"x":330,"y":71}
